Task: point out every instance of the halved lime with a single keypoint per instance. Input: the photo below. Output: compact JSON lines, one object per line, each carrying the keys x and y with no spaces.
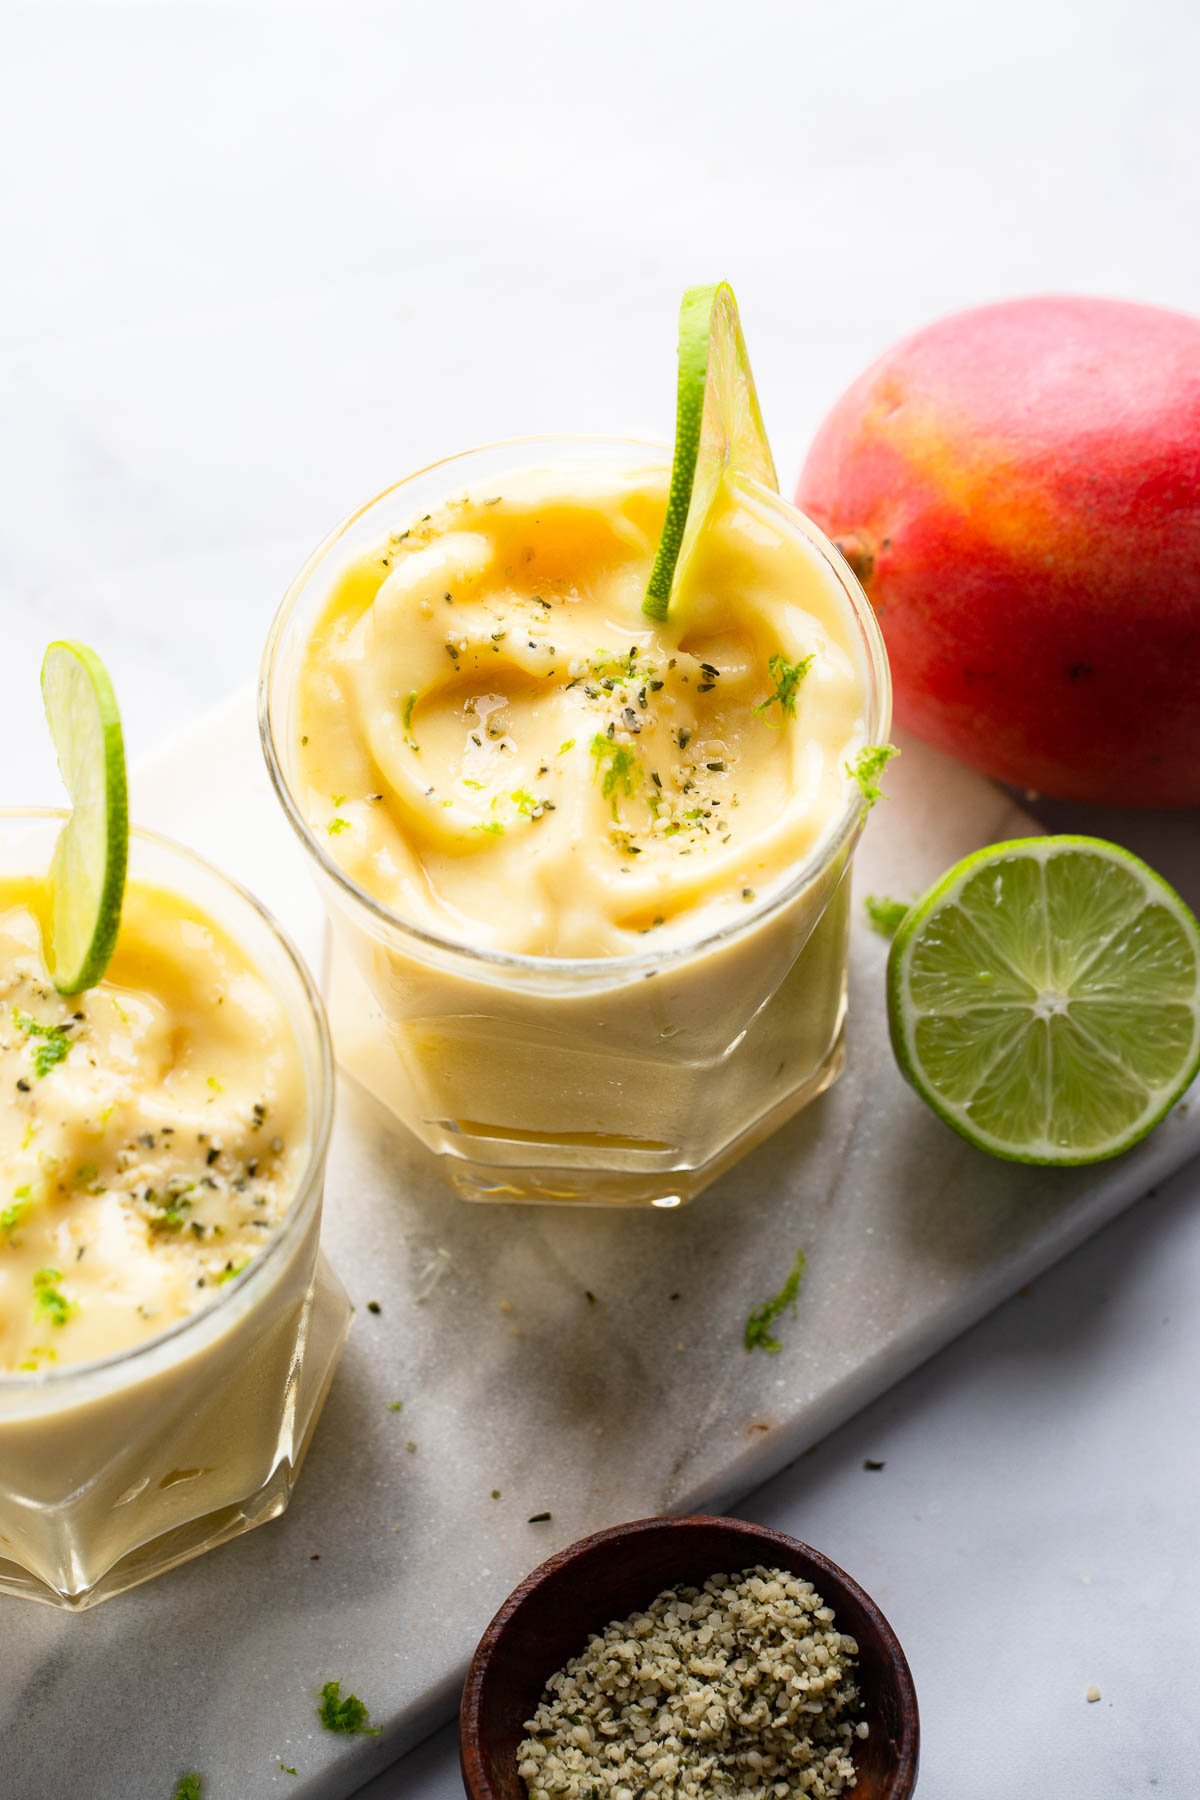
{"x":1044,"y":999}
{"x":718,"y":425}
{"x":87,"y":873}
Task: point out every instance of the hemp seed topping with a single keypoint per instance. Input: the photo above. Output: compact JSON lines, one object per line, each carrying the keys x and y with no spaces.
{"x":741,"y":1690}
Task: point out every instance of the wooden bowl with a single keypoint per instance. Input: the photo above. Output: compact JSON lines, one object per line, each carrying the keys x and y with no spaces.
{"x":547,"y":1619}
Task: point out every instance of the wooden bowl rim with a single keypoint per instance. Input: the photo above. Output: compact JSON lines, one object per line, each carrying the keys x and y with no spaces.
{"x":827,"y":1575}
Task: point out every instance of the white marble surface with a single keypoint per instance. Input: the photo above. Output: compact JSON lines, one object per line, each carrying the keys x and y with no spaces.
{"x":519,"y":1394}
{"x":261,"y":259}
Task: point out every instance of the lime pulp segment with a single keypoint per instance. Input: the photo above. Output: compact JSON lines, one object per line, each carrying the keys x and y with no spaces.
{"x":718,"y":426}
{"x":1044,"y":999}
{"x":87,"y":872}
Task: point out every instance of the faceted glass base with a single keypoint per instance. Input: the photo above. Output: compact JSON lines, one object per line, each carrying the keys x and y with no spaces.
{"x":545,"y":1185}
{"x":68,"y":1574}
{"x":719,"y":1111}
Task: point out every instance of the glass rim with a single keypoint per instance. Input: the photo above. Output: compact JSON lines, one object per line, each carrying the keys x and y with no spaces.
{"x":611,"y":969}
{"x":321,"y":1107}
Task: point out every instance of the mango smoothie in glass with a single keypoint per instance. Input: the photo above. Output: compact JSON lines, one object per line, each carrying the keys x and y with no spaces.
{"x":586,"y":869}
{"x":167,"y":1328}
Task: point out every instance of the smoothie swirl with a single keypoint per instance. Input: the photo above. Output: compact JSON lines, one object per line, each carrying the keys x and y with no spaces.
{"x":155,"y":1129}
{"x":492,"y":738}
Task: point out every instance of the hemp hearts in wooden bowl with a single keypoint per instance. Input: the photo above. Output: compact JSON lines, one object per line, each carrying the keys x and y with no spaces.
{"x":689,"y":1659}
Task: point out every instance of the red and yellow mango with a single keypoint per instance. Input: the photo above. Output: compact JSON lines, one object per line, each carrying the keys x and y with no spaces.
{"x":1018,"y":488}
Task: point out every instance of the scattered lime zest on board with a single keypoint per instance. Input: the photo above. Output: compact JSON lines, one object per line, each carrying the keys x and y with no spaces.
{"x":718,"y":426}
{"x":87,"y":873}
{"x":1044,"y":999}
{"x":758,"y":1335}
{"x":885,"y":915}
{"x":346,"y":1715}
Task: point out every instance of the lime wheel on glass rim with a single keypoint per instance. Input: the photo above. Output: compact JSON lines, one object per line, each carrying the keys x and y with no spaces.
{"x":718,"y":426}
{"x":87,"y":872}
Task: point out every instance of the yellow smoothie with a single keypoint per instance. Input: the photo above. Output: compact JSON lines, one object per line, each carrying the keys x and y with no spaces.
{"x":495,"y":741}
{"x":154,"y":1132}
{"x":585,"y":868}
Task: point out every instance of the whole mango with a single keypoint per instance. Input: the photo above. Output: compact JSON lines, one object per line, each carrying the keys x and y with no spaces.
{"x":1018,"y":489}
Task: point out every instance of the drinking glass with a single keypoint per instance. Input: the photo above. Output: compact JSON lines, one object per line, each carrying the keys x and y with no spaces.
{"x":115,"y":1470}
{"x":631,"y":1079}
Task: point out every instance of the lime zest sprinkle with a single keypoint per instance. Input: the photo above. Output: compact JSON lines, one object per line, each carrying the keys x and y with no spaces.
{"x":53,"y":1045}
{"x":347,"y":1715}
{"x":787,"y":677}
{"x":48,"y":1299}
{"x":613,"y":666}
{"x":618,"y":775}
{"x":170,"y":1215}
{"x":232,"y":1270}
{"x":530,"y":806}
{"x":336,"y":825}
{"x":564,"y":747}
{"x":866,"y":769}
{"x":49,"y":1053}
{"x":12,"y":1215}
{"x":493,"y":827}
{"x":408,"y":719}
{"x":758,"y":1334}
{"x":885,"y":915}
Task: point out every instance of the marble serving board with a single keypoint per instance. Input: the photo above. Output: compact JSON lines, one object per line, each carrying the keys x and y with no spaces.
{"x":588,"y":1364}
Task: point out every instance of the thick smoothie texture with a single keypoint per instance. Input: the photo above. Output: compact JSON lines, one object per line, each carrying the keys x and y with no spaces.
{"x":495,"y":741}
{"x":154,"y":1130}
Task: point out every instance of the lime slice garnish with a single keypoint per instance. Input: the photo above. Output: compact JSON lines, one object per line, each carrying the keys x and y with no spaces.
{"x":87,"y":873}
{"x":718,"y":426}
{"x":1044,"y":999}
